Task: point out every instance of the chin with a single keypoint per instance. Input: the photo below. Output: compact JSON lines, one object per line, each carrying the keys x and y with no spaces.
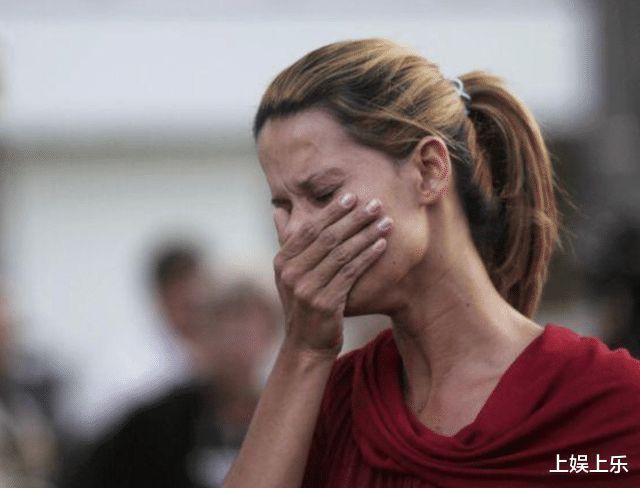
{"x":365,"y":295}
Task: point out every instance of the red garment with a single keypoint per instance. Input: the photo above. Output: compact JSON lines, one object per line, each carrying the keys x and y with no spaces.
{"x":563,"y":395}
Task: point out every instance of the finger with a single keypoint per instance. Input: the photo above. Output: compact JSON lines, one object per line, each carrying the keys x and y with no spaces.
{"x":347,"y":251}
{"x":309,"y":230}
{"x":332,"y":238}
{"x":335,"y":292}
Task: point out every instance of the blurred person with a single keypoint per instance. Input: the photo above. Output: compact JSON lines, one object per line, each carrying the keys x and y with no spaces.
{"x":430,"y":200}
{"x":237,"y":348}
{"x":189,"y":437}
{"x":615,"y":284}
{"x":182,"y":285}
{"x":28,"y":452}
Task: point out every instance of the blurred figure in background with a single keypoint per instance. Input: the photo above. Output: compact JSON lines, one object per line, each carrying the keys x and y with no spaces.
{"x":189,"y":438}
{"x":28,"y":452}
{"x":615,"y":284}
{"x":182,"y":286}
{"x":236,"y":346}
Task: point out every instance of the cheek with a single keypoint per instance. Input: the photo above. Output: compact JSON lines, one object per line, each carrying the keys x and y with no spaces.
{"x":408,"y":239}
{"x":371,"y":293}
{"x":406,"y":247}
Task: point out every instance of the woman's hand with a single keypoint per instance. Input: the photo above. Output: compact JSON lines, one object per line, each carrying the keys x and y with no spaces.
{"x":318,"y":264}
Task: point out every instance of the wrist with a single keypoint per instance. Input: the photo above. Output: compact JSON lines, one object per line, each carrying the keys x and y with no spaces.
{"x":307,"y":355}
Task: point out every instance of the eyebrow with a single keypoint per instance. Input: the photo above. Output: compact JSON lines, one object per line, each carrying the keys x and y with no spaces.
{"x":315,"y":179}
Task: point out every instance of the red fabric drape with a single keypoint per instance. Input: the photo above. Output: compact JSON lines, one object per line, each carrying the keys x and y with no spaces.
{"x":564,"y":395}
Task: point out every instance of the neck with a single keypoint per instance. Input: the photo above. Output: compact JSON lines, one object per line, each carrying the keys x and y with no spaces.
{"x":454,"y":330}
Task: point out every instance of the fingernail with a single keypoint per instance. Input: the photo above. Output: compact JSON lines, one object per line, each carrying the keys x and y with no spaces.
{"x":373,"y":206}
{"x":385,"y":223}
{"x":379,"y":244}
{"x":347,"y":199}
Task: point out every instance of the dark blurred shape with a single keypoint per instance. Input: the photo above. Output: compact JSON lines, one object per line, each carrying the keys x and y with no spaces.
{"x":28,"y":451}
{"x":189,"y":437}
{"x":182,"y":287}
{"x":615,"y":284}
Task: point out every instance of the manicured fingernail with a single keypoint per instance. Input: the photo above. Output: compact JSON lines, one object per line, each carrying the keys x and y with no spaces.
{"x":385,"y":223}
{"x":373,"y":206}
{"x":347,"y":200}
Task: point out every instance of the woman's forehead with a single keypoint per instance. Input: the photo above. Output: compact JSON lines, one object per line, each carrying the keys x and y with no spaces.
{"x":301,"y":137}
{"x":307,"y":149}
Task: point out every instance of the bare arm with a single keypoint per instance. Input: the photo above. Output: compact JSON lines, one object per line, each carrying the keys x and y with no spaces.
{"x":315,"y":269}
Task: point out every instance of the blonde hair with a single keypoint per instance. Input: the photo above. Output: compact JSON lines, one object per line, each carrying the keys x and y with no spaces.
{"x":389,"y":97}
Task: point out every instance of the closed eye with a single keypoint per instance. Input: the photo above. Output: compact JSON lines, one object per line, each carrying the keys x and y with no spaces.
{"x":325,"y":197}
{"x":279,"y":203}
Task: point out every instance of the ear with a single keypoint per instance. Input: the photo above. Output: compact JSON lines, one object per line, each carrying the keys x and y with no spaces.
{"x":431,"y":157}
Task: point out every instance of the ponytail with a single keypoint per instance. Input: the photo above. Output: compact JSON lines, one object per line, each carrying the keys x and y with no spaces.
{"x":512,"y":167}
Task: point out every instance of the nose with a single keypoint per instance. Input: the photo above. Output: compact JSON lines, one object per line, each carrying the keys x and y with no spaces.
{"x":298,"y":217}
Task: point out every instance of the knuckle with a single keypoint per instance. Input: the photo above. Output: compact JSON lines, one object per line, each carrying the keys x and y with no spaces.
{"x":307,"y":231}
{"x":328,"y":239}
{"x":278,"y":263}
{"x":340,"y":255}
{"x":349,"y":270}
{"x":321,"y":305}
{"x":301,"y":293}
{"x":288,"y":277}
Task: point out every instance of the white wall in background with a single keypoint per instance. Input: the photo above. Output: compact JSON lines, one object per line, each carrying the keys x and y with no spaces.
{"x":77,"y":74}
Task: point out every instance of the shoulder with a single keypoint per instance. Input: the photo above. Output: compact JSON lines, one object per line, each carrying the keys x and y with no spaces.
{"x":174,"y":409}
{"x":596,"y":374}
{"x":182,"y":400}
{"x":592,"y":357}
{"x":616,"y":370}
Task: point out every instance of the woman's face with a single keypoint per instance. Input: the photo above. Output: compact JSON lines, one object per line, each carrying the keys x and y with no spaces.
{"x":312,"y":146}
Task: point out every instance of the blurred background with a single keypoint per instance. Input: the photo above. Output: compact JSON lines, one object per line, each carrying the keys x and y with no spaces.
{"x":133,"y":212}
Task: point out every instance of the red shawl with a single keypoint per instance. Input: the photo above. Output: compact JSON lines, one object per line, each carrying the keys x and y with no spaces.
{"x":567,"y":403}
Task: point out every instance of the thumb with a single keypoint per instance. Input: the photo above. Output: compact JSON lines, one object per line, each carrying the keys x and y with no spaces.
{"x":280,"y":219}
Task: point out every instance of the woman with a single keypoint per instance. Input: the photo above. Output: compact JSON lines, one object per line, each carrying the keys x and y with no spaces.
{"x":399,"y":192}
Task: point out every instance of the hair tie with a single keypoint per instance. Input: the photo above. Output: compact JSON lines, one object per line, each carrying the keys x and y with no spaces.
{"x":459,"y":86}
